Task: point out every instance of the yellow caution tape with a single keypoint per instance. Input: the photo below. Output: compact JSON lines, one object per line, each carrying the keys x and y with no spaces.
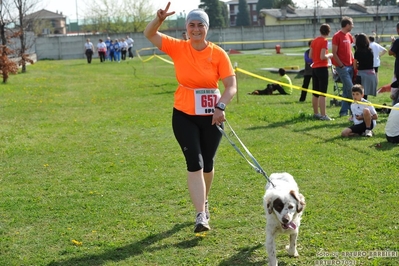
{"x":312,"y":91}
{"x":236,"y":69}
{"x":163,"y":59}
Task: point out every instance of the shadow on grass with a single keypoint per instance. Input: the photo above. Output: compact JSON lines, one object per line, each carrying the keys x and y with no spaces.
{"x":131,"y":250}
{"x":304,"y":118}
{"x":243,"y":257}
{"x":379,"y":145}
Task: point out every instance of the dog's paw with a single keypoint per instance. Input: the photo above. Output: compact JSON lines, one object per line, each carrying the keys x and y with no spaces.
{"x":292,"y":251}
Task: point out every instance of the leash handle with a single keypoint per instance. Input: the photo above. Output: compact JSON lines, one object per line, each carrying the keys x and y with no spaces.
{"x":255,"y":163}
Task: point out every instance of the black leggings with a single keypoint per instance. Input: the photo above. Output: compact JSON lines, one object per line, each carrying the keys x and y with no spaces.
{"x":320,"y":80}
{"x":198,"y":139}
{"x":89,"y":55}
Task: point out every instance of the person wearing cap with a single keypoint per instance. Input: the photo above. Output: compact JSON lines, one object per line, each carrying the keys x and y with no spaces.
{"x":199,"y":106}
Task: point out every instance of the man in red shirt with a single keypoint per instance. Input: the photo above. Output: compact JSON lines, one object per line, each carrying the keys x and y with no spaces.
{"x":343,"y":60}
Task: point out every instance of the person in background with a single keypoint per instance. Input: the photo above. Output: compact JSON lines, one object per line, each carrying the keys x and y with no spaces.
{"x":124,"y":47}
{"x":364,"y":116}
{"x":307,"y":74}
{"x":282,"y":89}
{"x":89,"y":50}
{"x":130,"y":43}
{"x":184,"y":36}
{"x":108,"y":43}
{"x":378,"y":51}
{"x":117,"y":51}
{"x":392,"y":125}
{"x":393,"y":51}
{"x":199,"y":107}
{"x":343,"y":60}
{"x":101,"y":49}
{"x":394,"y":95}
{"x":363,"y":65}
{"x":320,"y":56}
{"x":111,"y":51}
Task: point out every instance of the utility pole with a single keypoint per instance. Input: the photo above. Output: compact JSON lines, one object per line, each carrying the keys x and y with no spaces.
{"x":77,"y":15}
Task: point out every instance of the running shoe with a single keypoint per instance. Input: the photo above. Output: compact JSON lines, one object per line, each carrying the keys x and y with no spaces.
{"x":368,"y":133}
{"x":326,"y":118}
{"x":201,"y":223}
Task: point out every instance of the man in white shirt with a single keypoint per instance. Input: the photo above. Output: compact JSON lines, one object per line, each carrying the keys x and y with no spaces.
{"x":130,"y":42}
{"x":378,"y":51}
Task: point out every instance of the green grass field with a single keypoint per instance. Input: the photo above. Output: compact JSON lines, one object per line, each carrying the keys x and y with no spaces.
{"x":90,"y":172}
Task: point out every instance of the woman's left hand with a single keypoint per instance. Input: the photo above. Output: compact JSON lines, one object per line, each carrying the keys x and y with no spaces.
{"x":218,"y":117}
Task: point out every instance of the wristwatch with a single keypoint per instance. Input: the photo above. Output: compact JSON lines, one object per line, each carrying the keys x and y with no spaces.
{"x":221,"y":106}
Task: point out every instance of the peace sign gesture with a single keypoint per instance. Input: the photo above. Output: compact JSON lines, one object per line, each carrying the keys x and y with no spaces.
{"x":151,"y":31}
{"x":163,"y":14}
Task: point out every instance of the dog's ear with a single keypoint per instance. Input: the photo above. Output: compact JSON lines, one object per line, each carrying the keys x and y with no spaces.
{"x":269,"y":205}
{"x":300,"y":200}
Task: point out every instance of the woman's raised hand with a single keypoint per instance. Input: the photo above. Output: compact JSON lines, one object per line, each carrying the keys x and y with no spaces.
{"x":162,"y":14}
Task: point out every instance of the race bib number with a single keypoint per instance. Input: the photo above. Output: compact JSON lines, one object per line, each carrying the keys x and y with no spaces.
{"x":205,"y":100}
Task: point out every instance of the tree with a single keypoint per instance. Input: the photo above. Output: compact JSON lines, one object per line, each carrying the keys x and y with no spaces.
{"x":113,"y":16}
{"x":6,"y":65}
{"x":23,"y":7}
{"x":243,"y":18}
{"x":283,"y":3}
{"x":339,"y":3}
{"x":40,"y":24}
{"x":214,"y":10}
{"x":264,"y":4}
{"x":225,"y":13}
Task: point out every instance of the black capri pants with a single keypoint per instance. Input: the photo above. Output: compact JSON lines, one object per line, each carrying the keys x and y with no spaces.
{"x":198,"y":139}
{"x":320,"y":80}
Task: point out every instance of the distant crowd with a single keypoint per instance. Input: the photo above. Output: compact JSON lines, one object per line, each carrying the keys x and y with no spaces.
{"x":110,"y":50}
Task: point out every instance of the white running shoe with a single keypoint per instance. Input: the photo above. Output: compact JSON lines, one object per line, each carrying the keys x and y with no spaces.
{"x":368,"y":133}
{"x":326,"y":118}
{"x":317,"y":116}
{"x":201,"y":223}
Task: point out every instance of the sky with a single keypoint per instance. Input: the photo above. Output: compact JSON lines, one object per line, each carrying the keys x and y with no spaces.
{"x":68,"y":8}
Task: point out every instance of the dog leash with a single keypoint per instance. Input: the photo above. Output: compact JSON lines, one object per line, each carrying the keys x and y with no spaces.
{"x":255,"y":165}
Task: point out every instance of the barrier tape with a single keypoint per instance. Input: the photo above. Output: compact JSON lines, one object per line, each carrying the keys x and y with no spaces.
{"x":165,"y":60}
{"x":237,"y":69}
{"x":282,"y":41}
{"x":312,"y":91}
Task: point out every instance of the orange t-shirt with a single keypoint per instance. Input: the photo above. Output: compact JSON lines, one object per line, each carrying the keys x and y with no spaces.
{"x":198,"y":73}
{"x":317,"y":45}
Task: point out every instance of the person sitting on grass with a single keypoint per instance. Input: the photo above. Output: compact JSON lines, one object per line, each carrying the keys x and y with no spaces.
{"x":364,"y":116}
{"x":282,"y":89}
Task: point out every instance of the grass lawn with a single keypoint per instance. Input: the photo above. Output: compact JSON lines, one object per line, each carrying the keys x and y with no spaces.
{"x":90,"y":172}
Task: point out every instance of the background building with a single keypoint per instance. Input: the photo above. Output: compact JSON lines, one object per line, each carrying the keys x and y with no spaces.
{"x":233,"y":7}
{"x":44,"y":22}
{"x":359,"y":13}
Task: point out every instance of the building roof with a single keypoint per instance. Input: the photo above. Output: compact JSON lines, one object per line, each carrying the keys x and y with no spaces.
{"x":235,"y":2}
{"x":45,"y":14}
{"x":353,"y":10}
